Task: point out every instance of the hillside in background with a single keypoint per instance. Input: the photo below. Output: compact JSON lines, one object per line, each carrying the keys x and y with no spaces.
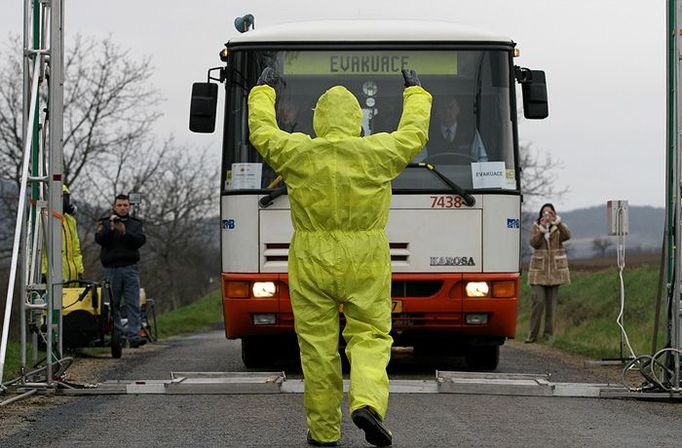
{"x":586,"y":224}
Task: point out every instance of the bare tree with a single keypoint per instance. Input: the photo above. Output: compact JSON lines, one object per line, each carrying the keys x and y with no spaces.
{"x":11,"y":99}
{"x":600,"y":245}
{"x":181,"y":213}
{"x":108,"y":102}
{"x":108,"y":105}
{"x":109,"y":148}
{"x":538,"y":175}
{"x":179,"y":209}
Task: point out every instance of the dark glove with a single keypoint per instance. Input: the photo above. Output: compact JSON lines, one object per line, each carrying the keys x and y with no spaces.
{"x":269,"y":77}
{"x":411,"y":78}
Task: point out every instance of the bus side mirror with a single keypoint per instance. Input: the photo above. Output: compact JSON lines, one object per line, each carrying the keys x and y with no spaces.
{"x":534,"y":90}
{"x":202,"y":109}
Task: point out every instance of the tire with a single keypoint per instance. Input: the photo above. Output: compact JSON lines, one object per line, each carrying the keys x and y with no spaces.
{"x":116,"y":347}
{"x":485,"y":357}
{"x":256,"y":352}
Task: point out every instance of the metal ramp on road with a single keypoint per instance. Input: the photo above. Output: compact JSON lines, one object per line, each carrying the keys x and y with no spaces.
{"x":535,"y":385}
{"x":190,"y":383}
{"x":445,"y":382}
{"x":485,"y":383}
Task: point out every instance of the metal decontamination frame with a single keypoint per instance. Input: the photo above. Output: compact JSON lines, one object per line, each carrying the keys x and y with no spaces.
{"x":38,"y":223}
{"x":671,"y":294}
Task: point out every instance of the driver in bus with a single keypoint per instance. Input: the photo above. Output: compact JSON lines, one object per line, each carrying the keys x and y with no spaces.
{"x":339,"y":186}
{"x":454,"y":137}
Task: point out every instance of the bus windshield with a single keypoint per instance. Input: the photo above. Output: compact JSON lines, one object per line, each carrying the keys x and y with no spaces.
{"x":472,"y":122}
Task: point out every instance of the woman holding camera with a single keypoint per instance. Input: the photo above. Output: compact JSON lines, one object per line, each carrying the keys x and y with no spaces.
{"x":548,"y":269}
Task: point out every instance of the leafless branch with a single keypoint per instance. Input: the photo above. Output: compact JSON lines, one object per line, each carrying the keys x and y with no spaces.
{"x":539,"y":176}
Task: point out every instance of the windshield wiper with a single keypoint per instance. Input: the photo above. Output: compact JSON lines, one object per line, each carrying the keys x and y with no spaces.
{"x":268,"y":199}
{"x":469,"y":200}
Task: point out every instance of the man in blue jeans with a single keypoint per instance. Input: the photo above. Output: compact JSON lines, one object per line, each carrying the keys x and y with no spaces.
{"x":121,"y":237}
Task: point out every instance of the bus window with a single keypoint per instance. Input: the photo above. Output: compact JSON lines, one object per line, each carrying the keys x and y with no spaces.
{"x":472,"y":84}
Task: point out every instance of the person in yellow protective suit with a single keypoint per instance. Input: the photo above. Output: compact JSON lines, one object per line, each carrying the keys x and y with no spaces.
{"x":72,"y":259}
{"x":339,"y":187}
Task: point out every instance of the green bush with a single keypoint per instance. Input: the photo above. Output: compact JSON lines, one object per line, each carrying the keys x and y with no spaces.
{"x":204,"y":313}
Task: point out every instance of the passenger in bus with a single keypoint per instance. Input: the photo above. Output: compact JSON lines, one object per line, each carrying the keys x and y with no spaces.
{"x":548,"y":269}
{"x":339,"y":186}
{"x":287,"y":114}
{"x":454,"y":137}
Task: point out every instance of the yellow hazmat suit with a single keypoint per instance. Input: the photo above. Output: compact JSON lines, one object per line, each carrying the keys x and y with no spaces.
{"x":72,"y":258}
{"x":339,"y":187}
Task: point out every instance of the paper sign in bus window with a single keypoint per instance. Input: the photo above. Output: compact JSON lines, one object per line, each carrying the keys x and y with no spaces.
{"x":511,"y":179}
{"x":489,"y":175}
{"x":246,"y":176}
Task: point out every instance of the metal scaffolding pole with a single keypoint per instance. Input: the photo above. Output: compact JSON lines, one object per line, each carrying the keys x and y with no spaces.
{"x":674,"y":196}
{"x":42,"y":166}
{"x":55,"y":180}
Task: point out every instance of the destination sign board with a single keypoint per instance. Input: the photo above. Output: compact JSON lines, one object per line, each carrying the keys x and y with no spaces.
{"x":369,"y":62}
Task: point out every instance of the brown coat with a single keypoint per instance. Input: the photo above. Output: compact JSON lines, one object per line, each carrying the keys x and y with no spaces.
{"x":549,"y":264}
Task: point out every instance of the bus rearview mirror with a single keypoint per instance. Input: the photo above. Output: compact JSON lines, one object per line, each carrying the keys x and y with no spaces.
{"x":534,"y":90}
{"x":202,"y":111}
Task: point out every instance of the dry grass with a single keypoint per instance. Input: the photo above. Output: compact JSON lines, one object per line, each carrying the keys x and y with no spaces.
{"x":595,"y":264}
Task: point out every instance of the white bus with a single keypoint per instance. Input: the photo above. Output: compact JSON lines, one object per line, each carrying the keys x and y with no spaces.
{"x":454,"y":223}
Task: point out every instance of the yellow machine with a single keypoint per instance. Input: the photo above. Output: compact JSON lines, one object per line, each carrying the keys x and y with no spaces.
{"x":87,"y":318}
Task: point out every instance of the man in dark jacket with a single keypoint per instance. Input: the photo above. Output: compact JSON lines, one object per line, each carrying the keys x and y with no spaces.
{"x":454,"y":137}
{"x":121,"y":237}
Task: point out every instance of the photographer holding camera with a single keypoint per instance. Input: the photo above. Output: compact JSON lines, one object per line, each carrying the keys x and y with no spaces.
{"x":121,"y":237}
{"x":548,"y":269}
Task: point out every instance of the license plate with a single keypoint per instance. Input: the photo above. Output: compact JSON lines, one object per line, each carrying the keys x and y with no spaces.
{"x":397,"y":306}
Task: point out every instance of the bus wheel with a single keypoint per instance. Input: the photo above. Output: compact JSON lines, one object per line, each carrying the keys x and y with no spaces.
{"x":257,"y":351}
{"x":484,"y":357}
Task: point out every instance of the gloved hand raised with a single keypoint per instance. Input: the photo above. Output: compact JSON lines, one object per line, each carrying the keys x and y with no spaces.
{"x":268,"y":76}
{"x":411,"y":78}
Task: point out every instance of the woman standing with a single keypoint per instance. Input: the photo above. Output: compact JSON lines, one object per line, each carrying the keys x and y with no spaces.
{"x":548,"y":269}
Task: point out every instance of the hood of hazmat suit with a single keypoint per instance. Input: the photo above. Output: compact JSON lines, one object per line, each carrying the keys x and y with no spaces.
{"x":339,"y":187}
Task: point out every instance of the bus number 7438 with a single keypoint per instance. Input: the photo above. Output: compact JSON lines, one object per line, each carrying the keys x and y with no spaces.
{"x":446,"y":201}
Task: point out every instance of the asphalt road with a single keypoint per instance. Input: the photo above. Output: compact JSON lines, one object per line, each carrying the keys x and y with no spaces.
{"x":416,"y":420}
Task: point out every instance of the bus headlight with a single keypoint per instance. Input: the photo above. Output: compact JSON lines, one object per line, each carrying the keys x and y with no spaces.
{"x":264,"y":289}
{"x":477,"y":289}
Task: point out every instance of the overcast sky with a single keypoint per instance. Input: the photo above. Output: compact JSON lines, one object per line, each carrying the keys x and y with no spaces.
{"x":604,"y":60}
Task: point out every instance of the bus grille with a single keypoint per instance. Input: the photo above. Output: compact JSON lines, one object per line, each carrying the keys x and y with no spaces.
{"x":279,"y":252}
{"x":399,"y":253}
{"x":276,"y":252}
